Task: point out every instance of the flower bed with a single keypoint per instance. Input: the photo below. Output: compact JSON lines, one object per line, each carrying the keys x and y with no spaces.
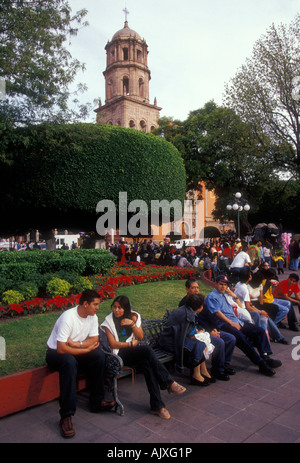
{"x":106,"y":286}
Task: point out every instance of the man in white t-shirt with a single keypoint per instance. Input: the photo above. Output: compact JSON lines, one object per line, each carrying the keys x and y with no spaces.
{"x":242,"y":260}
{"x":72,"y":346}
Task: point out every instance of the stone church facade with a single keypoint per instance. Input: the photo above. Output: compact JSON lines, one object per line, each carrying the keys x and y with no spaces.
{"x":127,"y":104}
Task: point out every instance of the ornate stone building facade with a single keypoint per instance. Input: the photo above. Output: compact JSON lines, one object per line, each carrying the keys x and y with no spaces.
{"x":127,"y":79}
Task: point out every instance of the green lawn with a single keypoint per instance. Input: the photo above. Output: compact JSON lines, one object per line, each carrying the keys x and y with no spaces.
{"x":26,"y":338}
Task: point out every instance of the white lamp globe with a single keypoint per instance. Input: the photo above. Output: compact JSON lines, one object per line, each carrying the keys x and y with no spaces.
{"x":241,"y":208}
{"x":247,"y":207}
{"x":235,"y":207}
{"x":238,"y":195}
{"x":229,"y":207}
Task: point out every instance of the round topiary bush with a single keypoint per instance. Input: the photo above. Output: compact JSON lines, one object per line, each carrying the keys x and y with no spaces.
{"x":64,"y":170}
{"x":12,"y":297}
{"x":28,"y":289}
{"x":58,"y":287}
{"x":81,"y":284}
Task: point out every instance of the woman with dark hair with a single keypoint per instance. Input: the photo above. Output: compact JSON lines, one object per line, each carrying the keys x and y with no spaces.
{"x":124,"y":331}
{"x":181,"y":337}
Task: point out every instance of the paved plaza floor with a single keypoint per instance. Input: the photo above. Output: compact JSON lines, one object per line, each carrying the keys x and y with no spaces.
{"x":250,"y":408}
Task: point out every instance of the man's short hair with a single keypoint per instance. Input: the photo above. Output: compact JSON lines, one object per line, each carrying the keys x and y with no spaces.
{"x":294,"y":276}
{"x":195,"y":301}
{"x":189,"y":282}
{"x":88,"y":296}
{"x":244,"y":274}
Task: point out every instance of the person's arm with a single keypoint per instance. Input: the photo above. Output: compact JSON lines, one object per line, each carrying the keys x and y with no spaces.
{"x":252,"y":308}
{"x":288,"y":298}
{"x":137,"y":331}
{"x":114,"y":344}
{"x":224,"y":319}
{"x":77,"y":347}
{"x":234,"y":297}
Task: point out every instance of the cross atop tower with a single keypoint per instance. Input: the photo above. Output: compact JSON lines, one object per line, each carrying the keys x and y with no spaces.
{"x":126,"y":13}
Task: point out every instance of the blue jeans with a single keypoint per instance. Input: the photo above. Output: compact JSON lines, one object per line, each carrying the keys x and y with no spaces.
{"x":249,"y":337}
{"x":222,"y":354}
{"x":292,"y":319}
{"x":294,"y":263}
{"x":283,"y":309}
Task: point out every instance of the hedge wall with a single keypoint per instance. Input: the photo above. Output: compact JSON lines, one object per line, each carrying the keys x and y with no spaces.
{"x":63,"y":171}
{"x":40,"y":267}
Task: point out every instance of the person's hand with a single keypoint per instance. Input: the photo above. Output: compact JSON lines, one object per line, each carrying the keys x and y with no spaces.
{"x":126,"y":322}
{"x":236,"y":325}
{"x":134,"y":342}
{"x":93,"y":346}
{"x":215,"y":333}
{"x":264,"y":314}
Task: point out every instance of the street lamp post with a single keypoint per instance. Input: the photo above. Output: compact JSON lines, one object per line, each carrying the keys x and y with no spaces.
{"x":238,"y":204}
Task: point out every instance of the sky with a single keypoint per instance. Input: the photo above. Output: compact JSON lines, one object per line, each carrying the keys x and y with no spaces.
{"x":195,"y":47}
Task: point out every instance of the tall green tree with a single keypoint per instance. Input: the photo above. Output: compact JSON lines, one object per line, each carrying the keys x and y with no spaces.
{"x":223,"y":151}
{"x":220,"y":149}
{"x":265,"y":92}
{"x":36,"y":69}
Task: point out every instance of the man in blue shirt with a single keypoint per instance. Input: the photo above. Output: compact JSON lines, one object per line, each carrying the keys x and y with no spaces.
{"x":248,"y":336}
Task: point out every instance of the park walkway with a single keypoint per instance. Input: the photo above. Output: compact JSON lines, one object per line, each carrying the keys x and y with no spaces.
{"x":250,"y":408}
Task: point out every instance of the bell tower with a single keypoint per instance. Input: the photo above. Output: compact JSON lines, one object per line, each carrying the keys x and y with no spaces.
{"x":127,"y":79}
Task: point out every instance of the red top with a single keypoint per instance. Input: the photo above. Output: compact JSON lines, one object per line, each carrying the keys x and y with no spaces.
{"x":284,"y":288}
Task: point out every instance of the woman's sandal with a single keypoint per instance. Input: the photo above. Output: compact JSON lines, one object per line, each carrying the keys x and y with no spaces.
{"x":162,"y":413}
{"x":176,"y":388}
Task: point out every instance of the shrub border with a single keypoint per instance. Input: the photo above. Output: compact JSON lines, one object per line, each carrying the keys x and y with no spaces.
{"x":106,"y":291}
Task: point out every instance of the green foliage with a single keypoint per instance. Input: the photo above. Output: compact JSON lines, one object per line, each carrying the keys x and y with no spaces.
{"x":34,"y":60}
{"x":265,"y":93}
{"x":99,"y":264}
{"x":17,"y":271}
{"x":12,"y":297}
{"x":28,"y":289}
{"x":58,"y":287}
{"x":80,"y":284}
{"x":30,"y":272}
{"x":63,"y":171}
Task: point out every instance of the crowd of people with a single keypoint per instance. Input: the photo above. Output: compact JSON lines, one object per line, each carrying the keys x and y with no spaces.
{"x":214,"y":254}
{"x":202,"y":334}
{"x":247,"y":309}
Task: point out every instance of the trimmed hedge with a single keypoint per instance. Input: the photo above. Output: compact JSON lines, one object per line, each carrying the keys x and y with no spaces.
{"x":29,"y":272}
{"x":66,"y":169}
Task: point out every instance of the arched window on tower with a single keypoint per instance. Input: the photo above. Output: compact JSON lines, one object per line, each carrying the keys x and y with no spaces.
{"x":139,"y":56}
{"x":131,"y":124}
{"x":125,"y":54}
{"x":141,"y":88}
{"x":143,"y":125}
{"x":125,"y":86}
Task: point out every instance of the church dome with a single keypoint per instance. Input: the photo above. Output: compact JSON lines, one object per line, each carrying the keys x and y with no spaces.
{"x":126,"y":33}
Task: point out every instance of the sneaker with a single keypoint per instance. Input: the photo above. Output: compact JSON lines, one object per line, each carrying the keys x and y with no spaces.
{"x":66,"y":427}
